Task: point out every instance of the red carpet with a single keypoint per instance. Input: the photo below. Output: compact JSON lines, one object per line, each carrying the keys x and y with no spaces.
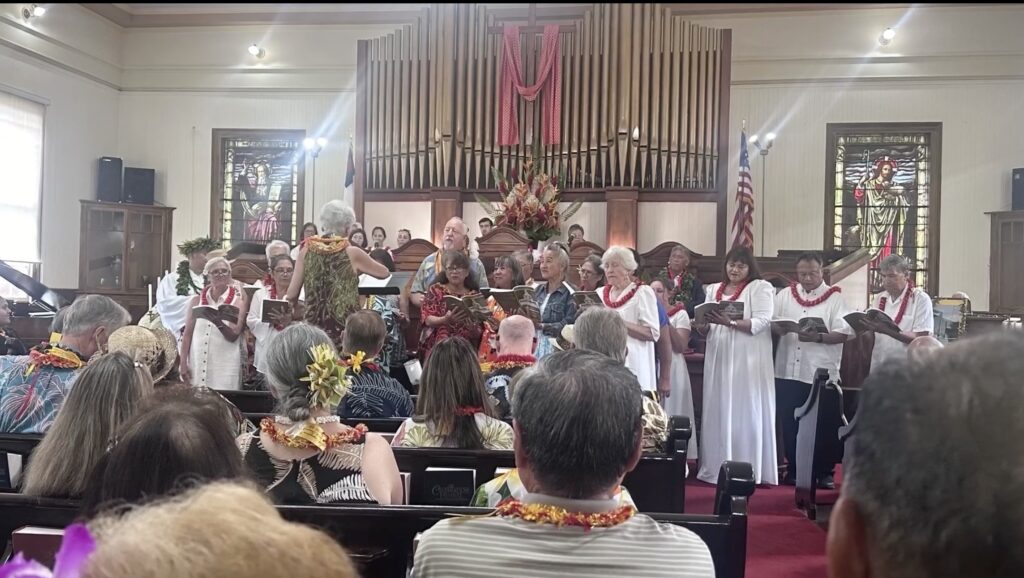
{"x":781,"y":541}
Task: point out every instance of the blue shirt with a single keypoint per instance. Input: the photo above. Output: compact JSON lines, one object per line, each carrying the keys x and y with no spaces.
{"x":29,"y":403}
{"x":663,"y":315}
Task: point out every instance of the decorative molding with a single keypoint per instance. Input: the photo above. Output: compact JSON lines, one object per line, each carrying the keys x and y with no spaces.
{"x":198,"y":15}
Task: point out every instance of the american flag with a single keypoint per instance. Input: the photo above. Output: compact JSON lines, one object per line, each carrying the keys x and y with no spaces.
{"x":743,"y":222}
{"x":350,"y":172}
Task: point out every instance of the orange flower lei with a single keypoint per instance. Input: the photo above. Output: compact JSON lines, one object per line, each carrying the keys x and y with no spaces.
{"x":545,"y":514}
{"x":354,"y":435}
{"x":512,"y":362}
{"x":326,"y":245}
{"x":54,"y":357}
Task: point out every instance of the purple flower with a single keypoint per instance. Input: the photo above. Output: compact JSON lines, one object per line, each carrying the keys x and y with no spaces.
{"x":74,"y":551}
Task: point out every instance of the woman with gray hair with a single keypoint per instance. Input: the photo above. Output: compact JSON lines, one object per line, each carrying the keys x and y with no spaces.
{"x":328,"y":268}
{"x":554,"y":297}
{"x":211,"y":353}
{"x":638,"y":306}
{"x":304,"y":454}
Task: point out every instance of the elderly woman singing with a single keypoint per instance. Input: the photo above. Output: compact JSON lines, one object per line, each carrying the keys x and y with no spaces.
{"x":638,"y":306}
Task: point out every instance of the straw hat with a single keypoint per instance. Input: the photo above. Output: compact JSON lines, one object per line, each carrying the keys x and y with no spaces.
{"x":156,"y":349}
{"x":565,"y":340}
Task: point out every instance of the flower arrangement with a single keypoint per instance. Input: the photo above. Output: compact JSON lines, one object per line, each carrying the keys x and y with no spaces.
{"x":530,"y":204}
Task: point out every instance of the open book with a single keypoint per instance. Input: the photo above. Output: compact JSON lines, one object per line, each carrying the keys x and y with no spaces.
{"x":807,"y":324}
{"x":857,"y":318}
{"x":584,"y":299}
{"x":227,"y":313}
{"x":273,"y":308}
{"x":520,"y":300}
{"x":474,"y":306}
{"x":731,"y":309}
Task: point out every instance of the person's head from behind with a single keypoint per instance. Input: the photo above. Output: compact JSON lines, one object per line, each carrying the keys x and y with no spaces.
{"x":176,"y":440}
{"x":384,"y":258}
{"x":287,"y":358}
{"x":486,"y":224}
{"x":89,"y":322}
{"x":740,"y":266}
{"x":218,"y":529}
{"x":309,"y":230}
{"x":507,"y":273}
{"x":455,"y":271}
{"x":525,"y":259}
{"x":106,"y":395}
{"x":404,"y":236}
{"x":516,"y":336}
{"x":364,"y":331}
{"x":935,"y":470}
{"x":577,"y":421}
{"x":601,"y":330}
{"x":276,"y":247}
{"x":336,"y":218}
{"x":452,"y":391}
{"x":575,"y":233}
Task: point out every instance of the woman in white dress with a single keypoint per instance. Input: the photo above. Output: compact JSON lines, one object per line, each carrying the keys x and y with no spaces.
{"x":281,"y":269}
{"x":638,"y":307}
{"x":738,"y":422}
{"x":680,"y":400}
{"x":211,"y":353}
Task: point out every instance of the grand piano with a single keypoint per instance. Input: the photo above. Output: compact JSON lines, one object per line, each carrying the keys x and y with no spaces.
{"x":31,"y":319}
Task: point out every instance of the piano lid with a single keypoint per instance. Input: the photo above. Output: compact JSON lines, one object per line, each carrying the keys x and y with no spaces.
{"x":42,"y":296}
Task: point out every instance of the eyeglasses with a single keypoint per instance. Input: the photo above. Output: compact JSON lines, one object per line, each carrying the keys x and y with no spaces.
{"x":220,"y":272}
{"x":586,"y":273}
{"x":283,"y":271}
{"x":455,"y":269}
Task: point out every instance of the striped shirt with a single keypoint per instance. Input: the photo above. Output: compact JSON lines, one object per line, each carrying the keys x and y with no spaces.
{"x":492,"y":546}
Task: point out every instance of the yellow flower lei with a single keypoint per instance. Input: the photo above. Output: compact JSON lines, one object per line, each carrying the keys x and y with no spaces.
{"x":326,"y":245}
{"x":547,"y":514}
{"x":328,"y":379}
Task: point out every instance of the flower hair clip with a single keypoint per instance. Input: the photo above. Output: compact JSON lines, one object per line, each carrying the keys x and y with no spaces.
{"x":466,"y":410}
{"x":328,"y":379}
{"x":75,"y":549}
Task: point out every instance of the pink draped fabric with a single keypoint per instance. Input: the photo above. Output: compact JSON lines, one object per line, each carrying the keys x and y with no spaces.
{"x":549,"y":78}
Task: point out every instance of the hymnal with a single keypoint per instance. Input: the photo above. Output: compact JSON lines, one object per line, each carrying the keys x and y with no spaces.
{"x":806,"y":324}
{"x":520,"y":300}
{"x":444,"y":487}
{"x":226,"y":313}
{"x":273,"y":308}
{"x":857,"y":319}
{"x":473,"y":306}
{"x":731,"y":309}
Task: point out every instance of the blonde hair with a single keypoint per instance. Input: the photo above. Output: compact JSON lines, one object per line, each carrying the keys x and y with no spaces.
{"x":220,"y":529}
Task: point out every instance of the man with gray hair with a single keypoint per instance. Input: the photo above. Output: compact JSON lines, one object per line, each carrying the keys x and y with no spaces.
{"x":33,"y":387}
{"x":909,"y":306}
{"x":273,"y":249}
{"x":577,"y":433}
{"x":455,"y":237}
{"x":934,"y":473}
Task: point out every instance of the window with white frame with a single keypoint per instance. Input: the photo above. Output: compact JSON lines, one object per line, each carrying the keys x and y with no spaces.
{"x":21,"y":164}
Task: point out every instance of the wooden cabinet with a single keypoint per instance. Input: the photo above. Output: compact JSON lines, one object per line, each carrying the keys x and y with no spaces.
{"x":124,"y":249}
{"x":1006,"y":269}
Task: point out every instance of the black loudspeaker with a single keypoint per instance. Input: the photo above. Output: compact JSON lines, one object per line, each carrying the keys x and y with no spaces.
{"x":109,"y":187}
{"x":138,"y":185}
{"x":1018,"y":190}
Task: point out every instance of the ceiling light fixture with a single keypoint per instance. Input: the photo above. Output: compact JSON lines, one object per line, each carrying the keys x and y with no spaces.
{"x":255,"y":50}
{"x":33,"y":11}
{"x":887,"y":35}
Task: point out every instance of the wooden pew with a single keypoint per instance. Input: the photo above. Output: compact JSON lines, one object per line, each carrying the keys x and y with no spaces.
{"x":817,"y":438}
{"x":391,"y":529}
{"x":501,"y":241}
{"x":577,"y":254}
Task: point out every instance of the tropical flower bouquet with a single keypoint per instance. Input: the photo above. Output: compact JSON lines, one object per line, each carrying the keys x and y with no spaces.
{"x":530,"y":204}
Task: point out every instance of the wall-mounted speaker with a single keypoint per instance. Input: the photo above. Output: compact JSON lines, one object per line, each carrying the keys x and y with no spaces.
{"x":109,"y":183}
{"x":138,"y":185}
{"x":1017,"y":200}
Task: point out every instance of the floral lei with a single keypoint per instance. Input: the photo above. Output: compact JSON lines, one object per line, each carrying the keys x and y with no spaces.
{"x":53,"y":356}
{"x":185,"y":286}
{"x":512,"y":361}
{"x":546,"y":514}
{"x":204,"y":295}
{"x":739,"y":291}
{"x":676,"y":309}
{"x":908,"y":294}
{"x":682,"y":287}
{"x":357,"y":362}
{"x":813,"y":302}
{"x":468,"y":410}
{"x":622,"y":300}
{"x":323,"y":245}
{"x":311,"y":435}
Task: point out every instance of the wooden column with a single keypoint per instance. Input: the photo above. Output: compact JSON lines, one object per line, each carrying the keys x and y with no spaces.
{"x":622,"y":214}
{"x":445,"y":203}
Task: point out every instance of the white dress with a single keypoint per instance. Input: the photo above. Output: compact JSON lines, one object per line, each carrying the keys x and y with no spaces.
{"x":738,"y":421}
{"x":642,"y":308}
{"x":173,"y":308}
{"x":214,"y":361}
{"x":680,"y":400}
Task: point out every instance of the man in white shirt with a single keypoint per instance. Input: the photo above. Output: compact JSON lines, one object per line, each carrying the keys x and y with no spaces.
{"x":176,"y":290}
{"x":801,"y":353}
{"x":908,"y":306}
{"x":571,"y":475}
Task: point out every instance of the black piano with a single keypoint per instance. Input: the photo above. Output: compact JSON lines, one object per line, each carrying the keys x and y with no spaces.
{"x":30,"y":320}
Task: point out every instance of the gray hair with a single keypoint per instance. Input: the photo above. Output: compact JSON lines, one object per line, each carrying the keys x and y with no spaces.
{"x":287,"y":357}
{"x":620,"y":255}
{"x":579,"y":418}
{"x":276,"y":243}
{"x":895,"y":263}
{"x":962,"y":405}
{"x":218,"y":259}
{"x":91,"y":311}
{"x":602,"y":330}
{"x":680,"y":247}
{"x":336,"y":218}
{"x":561,"y":255}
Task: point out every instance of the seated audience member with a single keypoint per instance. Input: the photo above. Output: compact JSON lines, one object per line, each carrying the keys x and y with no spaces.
{"x":33,"y":387}
{"x":923,"y":344}
{"x":575,"y":234}
{"x":910,"y":307}
{"x":507,"y":275}
{"x":591,"y":273}
{"x":452,"y":410}
{"x":154,"y":348}
{"x":439,"y":320}
{"x":219,"y":529}
{"x":603,"y":330}
{"x":486,"y":224}
{"x":373,"y":392}
{"x":105,"y":396}
{"x":516,"y":343}
{"x":525,"y":259}
{"x":935,"y":470}
{"x":455,"y":238}
{"x":404,"y":236}
{"x":303,"y":454}
{"x":9,"y":342}
{"x":577,"y":434}
{"x":175,"y":440}
{"x":390,"y":309}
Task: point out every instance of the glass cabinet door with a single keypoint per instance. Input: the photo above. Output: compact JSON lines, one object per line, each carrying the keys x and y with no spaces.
{"x":104,"y":243}
{"x":145,"y":250}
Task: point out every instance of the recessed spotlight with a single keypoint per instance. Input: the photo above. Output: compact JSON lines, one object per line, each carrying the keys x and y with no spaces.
{"x":255,"y":50}
{"x":33,"y":11}
{"x":887,"y":35}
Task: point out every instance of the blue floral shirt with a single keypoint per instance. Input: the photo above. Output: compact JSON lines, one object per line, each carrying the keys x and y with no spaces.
{"x":29,"y":403}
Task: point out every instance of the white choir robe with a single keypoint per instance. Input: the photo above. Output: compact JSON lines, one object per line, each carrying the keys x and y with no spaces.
{"x":173,"y":308}
{"x":680,"y":399}
{"x":798,"y":360}
{"x":738,"y":422}
{"x":641,"y":309}
{"x":262,"y":332}
{"x":918,"y":317}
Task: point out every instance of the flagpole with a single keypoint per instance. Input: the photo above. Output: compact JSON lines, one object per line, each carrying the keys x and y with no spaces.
{"x":764,"y":172}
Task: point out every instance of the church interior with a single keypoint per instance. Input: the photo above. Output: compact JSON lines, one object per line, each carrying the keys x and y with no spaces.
{"x":846,"y":158}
